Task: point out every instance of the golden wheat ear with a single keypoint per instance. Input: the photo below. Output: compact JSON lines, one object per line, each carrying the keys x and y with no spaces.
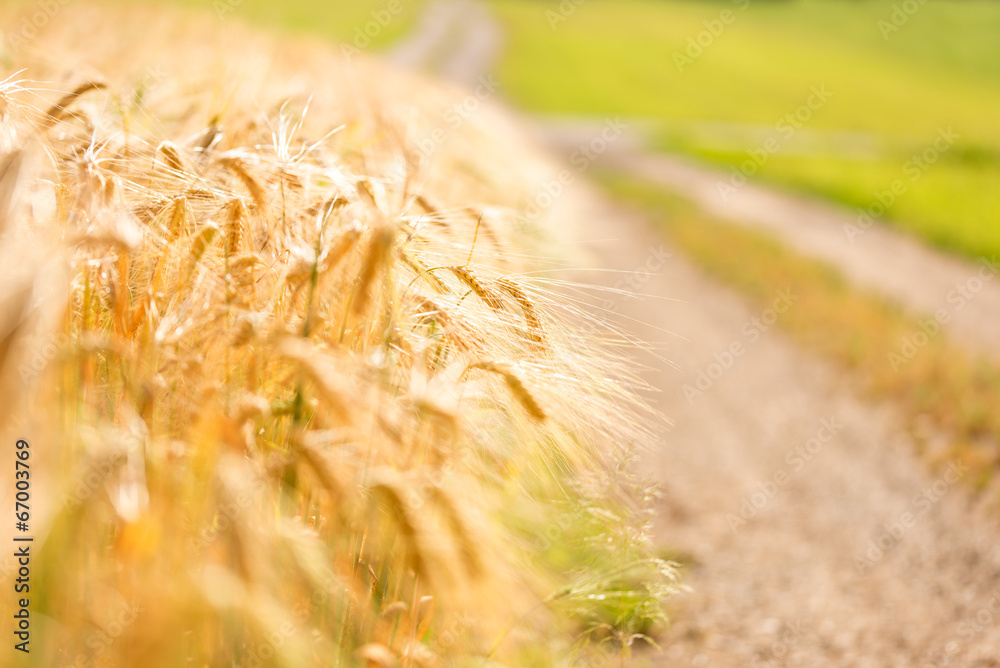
{"x":421,"y":270}
{"x":321,"y":369}
{"x":377,"y":655}
{"x":59,"y":110}
{"x":535,"y":333}
{"x":376,"y":257}
{"x":388,"y":489}
{"x":469,"y":542}
{"x":467,"y":276}
{"x":341,"y":246}
{"x":235,"y":224}
{"x":515,"y":384}
{"x":172,"y":157}
{"x":238,"y":168}
{"x":316,"y":451}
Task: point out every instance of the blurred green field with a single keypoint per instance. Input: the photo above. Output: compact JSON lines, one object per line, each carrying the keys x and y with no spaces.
{"x":889,"y":97}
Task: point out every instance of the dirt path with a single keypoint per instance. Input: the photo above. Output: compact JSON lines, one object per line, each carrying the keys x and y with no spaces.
{"x":815,"y":535}
{"x":775,"y":480}
{"x":458,"y":40}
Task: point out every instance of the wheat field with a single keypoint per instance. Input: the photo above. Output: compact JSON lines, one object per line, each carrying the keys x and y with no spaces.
{"x":295,"y":396}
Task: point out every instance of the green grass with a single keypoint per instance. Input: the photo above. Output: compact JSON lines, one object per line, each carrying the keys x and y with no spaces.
{"x":939,"y":382}
{"x":889,"y":97}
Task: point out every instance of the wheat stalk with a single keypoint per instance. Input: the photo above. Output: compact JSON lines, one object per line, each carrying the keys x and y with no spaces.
{"x":466,"y":275}
{"x":536,"y":334}
{"x":59,"y":110}
{"x":515,"y":384}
